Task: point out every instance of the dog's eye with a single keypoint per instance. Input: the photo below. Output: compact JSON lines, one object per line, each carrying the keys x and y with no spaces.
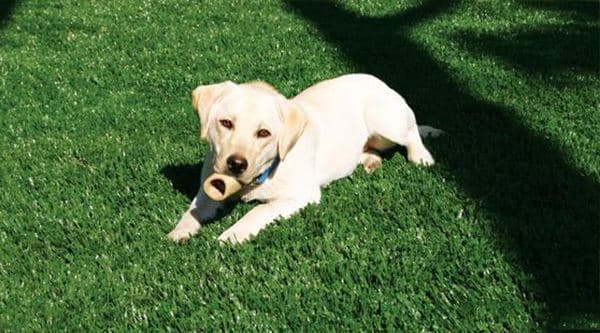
{"x":226,"y":123}
{"x":263,"y":133}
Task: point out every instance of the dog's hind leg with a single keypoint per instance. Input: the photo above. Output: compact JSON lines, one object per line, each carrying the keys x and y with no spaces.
{"x":370,"y":161}
{"x":370,"y":158}
{"x":416,"y":151}
{"x":389,"y":116}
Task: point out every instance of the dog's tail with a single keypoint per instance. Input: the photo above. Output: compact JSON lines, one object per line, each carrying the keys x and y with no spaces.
{"x":429,"y":132}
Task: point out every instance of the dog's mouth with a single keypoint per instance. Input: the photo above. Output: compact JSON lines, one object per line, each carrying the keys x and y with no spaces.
{"x":242,"y":179}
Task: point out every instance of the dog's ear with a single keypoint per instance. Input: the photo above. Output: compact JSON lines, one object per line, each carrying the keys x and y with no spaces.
{"x":294,"y":122}
{"x":203,"y":98}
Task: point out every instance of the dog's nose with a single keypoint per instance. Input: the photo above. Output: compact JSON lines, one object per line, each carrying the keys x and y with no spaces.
{"x":237,"y":164}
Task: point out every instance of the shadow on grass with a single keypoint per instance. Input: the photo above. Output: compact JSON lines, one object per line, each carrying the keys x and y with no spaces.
{"x":7,"y":7}
{"x":546,"y":211}
{"x":185,"y":178}
{"x":580,"y":10}
{"x":565,"y":49}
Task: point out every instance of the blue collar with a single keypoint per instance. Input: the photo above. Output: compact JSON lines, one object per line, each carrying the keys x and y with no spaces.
{"x":267,"y":173}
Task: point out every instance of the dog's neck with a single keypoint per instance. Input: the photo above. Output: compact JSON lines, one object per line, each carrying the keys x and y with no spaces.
{"x":267,"y":173}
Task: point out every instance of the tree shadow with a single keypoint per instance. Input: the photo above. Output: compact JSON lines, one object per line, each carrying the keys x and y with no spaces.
{"x":575,"y":49}
{"x":7,"y":7}
{"x":545,"y":211}
{"x":580,"y":11}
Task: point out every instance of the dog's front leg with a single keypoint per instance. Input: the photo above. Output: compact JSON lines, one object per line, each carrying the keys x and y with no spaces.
{"x":259,"y":217}
{"x":202,"y":208}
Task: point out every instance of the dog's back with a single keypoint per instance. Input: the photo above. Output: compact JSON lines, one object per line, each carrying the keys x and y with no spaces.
{"x":347,"y":111}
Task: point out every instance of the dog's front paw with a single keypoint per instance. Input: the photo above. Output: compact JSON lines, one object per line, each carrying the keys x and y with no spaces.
{"x":183,"y":232}
{"x":237,"y":234}
{"x":180,"y":235}
{"x":186,"y":228}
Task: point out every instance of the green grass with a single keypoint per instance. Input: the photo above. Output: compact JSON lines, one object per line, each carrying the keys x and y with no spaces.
{"x":99,"y":156}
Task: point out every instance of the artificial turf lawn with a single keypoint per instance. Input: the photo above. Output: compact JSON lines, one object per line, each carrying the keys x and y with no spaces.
{"x":99,"y":156}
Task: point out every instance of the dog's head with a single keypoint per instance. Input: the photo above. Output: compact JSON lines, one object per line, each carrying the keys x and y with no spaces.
{"x":247,"y":126}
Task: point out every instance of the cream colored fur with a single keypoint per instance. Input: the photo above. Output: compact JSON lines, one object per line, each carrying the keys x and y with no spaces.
{"x":320,"y":136}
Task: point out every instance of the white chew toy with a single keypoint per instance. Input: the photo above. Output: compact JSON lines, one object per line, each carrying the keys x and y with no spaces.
{"x":219,"y":186}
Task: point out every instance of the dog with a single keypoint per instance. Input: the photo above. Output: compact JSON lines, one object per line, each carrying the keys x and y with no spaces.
{"x":283,"y":150}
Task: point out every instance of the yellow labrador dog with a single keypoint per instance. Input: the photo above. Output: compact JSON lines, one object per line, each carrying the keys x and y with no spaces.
{"x":283,"y":150}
